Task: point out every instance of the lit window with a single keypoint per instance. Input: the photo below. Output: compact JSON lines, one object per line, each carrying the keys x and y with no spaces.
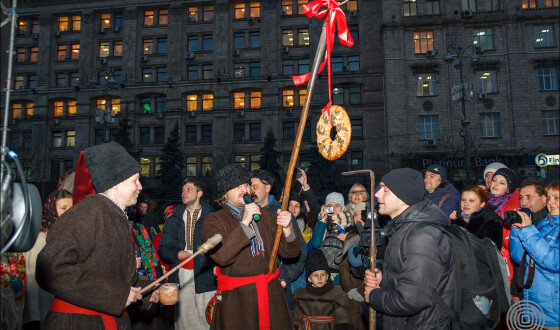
{"x":487,"y":82}
{"x":239,"y":10}
{"x":352,"y":5}
{"x":145,"y":166}
{"x":20,"y":55}
{"x":57,"y":140}
{"x":300,"y":5}
{"x":163,"y":17}
{"x":287,"y":37}
{"x":147,"y":46}
{"x":552,"y":3}
{"x":426,"y":84}
{"x":148,"y":17}
{"x":255,"y":100}
{"x":104,"y":49}
{"x":239,"y":100}
{"x":410,"y":8}
{"x":288,"y":98}
{"x":61,"y":52}
{"x":191,"y":166}
{"x":58,"y":109}
{"x":302,"y":93}
{"x":526,"y":4}
{"x":208,"y":13}
{"x":19,"y":82}
{"x":193,"y":14}
{"x":147,"y":75}
{"x":34,"y":54}
{"x":423,"y":41}
{"x":207,"y":101}
{"x":484,"y":38}
{"x":255,"y":9}
{"x":287,"y":6}
{"x":118,"y":48}
{"x":75,"y":55}
{"x":544,"y":36}
{"x":192,"y":102}
{"x":239,"y":70}
{"x":207,"y":164}
{"x":23,"y":26}
{"x":63,"y":23}
{"x":338,"y":96}
{"x":76,"y":23}
{"x":16,"y":111}
{"x":70,"y":138}
{"x":303,"y":37}
{"x":357,"y":162}
{"x":105,"y":21}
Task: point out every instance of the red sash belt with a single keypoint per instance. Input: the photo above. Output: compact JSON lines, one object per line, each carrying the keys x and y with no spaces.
{"x":305,"y":321}
{"x":227,"y":283}
{"x":61,"y":306}
{"x":188,"y":265}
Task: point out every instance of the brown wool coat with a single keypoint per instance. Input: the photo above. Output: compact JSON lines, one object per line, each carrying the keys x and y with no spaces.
{"x":238,"y":308}
{"x":332,"y":303}
{"x":88,"y":261}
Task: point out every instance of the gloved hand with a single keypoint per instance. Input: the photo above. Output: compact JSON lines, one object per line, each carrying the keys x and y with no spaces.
{"x":355,"y":295}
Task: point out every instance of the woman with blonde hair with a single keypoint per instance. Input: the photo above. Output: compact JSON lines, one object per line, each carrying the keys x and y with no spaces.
{"x":358,"y":194}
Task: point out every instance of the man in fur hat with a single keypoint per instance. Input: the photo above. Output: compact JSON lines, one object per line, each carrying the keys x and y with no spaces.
{"x":88,"y":262}
{"x":252,"y":298}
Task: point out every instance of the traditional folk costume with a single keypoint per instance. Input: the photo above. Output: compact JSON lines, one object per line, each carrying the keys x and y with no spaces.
{"x":242,"y":259}
{"x":88,"y":261}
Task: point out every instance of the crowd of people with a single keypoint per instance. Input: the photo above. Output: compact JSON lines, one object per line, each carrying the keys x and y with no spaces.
{"x":100,"y":244}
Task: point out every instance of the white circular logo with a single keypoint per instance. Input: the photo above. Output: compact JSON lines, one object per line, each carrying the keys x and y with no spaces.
{"x":525,"y":315}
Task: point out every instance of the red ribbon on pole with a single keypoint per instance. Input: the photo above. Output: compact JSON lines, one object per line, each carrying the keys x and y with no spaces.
{"x":335,"y":20}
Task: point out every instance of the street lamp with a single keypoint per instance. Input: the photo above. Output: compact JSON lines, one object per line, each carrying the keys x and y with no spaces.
{"x":105,"y":115}
{"x":463,"y":92}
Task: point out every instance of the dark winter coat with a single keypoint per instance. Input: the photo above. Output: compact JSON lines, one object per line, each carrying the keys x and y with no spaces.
{"x":238,"y":308}
{"x":89,"y":261}
{"x":447,"y":198}
{"x":173,"y":240}
{"x":292,"y":268}
{"x":484,"y":223}
{"x":314,"y":205}
{"x":329,"y":300}
{"x":149,"y":221}
{"x":406,"y":291}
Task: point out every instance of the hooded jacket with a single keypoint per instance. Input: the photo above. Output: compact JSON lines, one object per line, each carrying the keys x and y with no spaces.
{"x":173,"y":240}
{"x":405,"y":296}
{"x":447,"y":198}
{"x":541,"y":244}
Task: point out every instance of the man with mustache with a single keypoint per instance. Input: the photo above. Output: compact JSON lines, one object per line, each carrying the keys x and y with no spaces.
{"x":251,"y":297}
{"x":88,"y":262}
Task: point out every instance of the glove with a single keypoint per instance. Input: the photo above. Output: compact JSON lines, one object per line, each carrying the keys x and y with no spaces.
{"x":354,"y":295}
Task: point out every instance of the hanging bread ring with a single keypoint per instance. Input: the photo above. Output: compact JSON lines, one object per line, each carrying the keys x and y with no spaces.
{"x":333,"y":149}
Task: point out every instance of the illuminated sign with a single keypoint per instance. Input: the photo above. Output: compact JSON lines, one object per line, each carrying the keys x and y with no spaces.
{"x":543,"y":160}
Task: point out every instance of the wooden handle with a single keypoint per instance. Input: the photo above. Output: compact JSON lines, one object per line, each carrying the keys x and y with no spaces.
{"x":321,"y":47}
{"x":205,"y":247}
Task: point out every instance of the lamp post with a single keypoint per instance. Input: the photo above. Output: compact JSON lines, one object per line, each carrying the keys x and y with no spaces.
{"x":463,"y":92}
{"x":105,"y":115}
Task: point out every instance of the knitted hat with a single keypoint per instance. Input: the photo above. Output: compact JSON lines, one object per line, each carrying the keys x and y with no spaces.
{"x":360,"y":207}
{"x":109,"y":164}
{"x":438,"y":169}
{"x":265,"y":176}
{"x":230,"y":177}
{"x":407,"y":184}
{"x":297,"y":198}
{"x":511,"y":178}
{"x":315,"y":261}
{"x":335,"y":197}
{"x":493,"y":168}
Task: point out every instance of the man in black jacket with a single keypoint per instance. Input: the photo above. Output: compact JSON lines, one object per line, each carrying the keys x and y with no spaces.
{"x":181,"y":236}
{"x":404,"y":292}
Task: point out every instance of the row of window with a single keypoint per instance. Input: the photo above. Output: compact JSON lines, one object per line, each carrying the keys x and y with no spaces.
{"x":428,"y":126}
{"x":486,"y":82}
{"x":484,"y":38}
{"x":432,"y":7}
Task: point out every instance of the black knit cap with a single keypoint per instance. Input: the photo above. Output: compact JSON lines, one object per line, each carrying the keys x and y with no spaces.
{"x":109,"y":164}
{"x":407,"y":184}
{"x":511,"y":178}
{"x":263,"y":175}
{"x":315,"y":261}
{"x":230,"y":177}
{"x":297,"y":198}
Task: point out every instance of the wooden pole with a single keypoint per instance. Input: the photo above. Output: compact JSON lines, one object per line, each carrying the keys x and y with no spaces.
{"x":373,"y":245}
{"x":321,"y":47}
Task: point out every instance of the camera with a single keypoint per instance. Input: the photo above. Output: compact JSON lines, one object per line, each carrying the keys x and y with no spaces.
{"x":297,"y":173}
{"x":329,"y":209}
{"x":513,"y":217}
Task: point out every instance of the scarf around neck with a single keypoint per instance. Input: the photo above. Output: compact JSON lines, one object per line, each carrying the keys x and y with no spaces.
{"x":499,"y":201}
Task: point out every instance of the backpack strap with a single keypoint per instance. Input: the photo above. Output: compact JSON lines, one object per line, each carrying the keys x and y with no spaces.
{"x":521,"y":272}
{"x":443,"y":199}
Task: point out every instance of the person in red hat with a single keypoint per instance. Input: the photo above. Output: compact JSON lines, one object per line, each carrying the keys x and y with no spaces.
{"x":88,"y":261}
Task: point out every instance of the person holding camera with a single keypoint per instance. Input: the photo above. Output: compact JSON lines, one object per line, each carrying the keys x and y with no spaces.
{"x":536,"y":249}
{"x":477,"y":216}
{"x":310,"y":203}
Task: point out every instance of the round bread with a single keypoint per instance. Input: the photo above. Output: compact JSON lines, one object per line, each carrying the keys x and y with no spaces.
{"x":333,"y":149}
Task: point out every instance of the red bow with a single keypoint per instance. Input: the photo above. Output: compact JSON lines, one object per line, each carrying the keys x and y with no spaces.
{"x":335,"y":19}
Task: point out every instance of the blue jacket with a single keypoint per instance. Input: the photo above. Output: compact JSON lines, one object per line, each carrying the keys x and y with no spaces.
{"x":451,"y":203}
{"x":173,"y":240}
{"x":541,"y":244}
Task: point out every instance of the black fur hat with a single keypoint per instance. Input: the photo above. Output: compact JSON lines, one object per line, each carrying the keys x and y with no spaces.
{"x":230,"y":177}
{"x":109,"y":164}
{"x":315,"y":261}
{"x":264,"y":175}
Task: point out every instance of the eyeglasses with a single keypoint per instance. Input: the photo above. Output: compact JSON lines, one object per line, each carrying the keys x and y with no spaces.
{"x":358,"y":192}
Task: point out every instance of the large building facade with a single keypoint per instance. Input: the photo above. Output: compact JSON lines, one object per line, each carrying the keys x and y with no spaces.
{"x":513,"y":113}
{"x":220,"y":70}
